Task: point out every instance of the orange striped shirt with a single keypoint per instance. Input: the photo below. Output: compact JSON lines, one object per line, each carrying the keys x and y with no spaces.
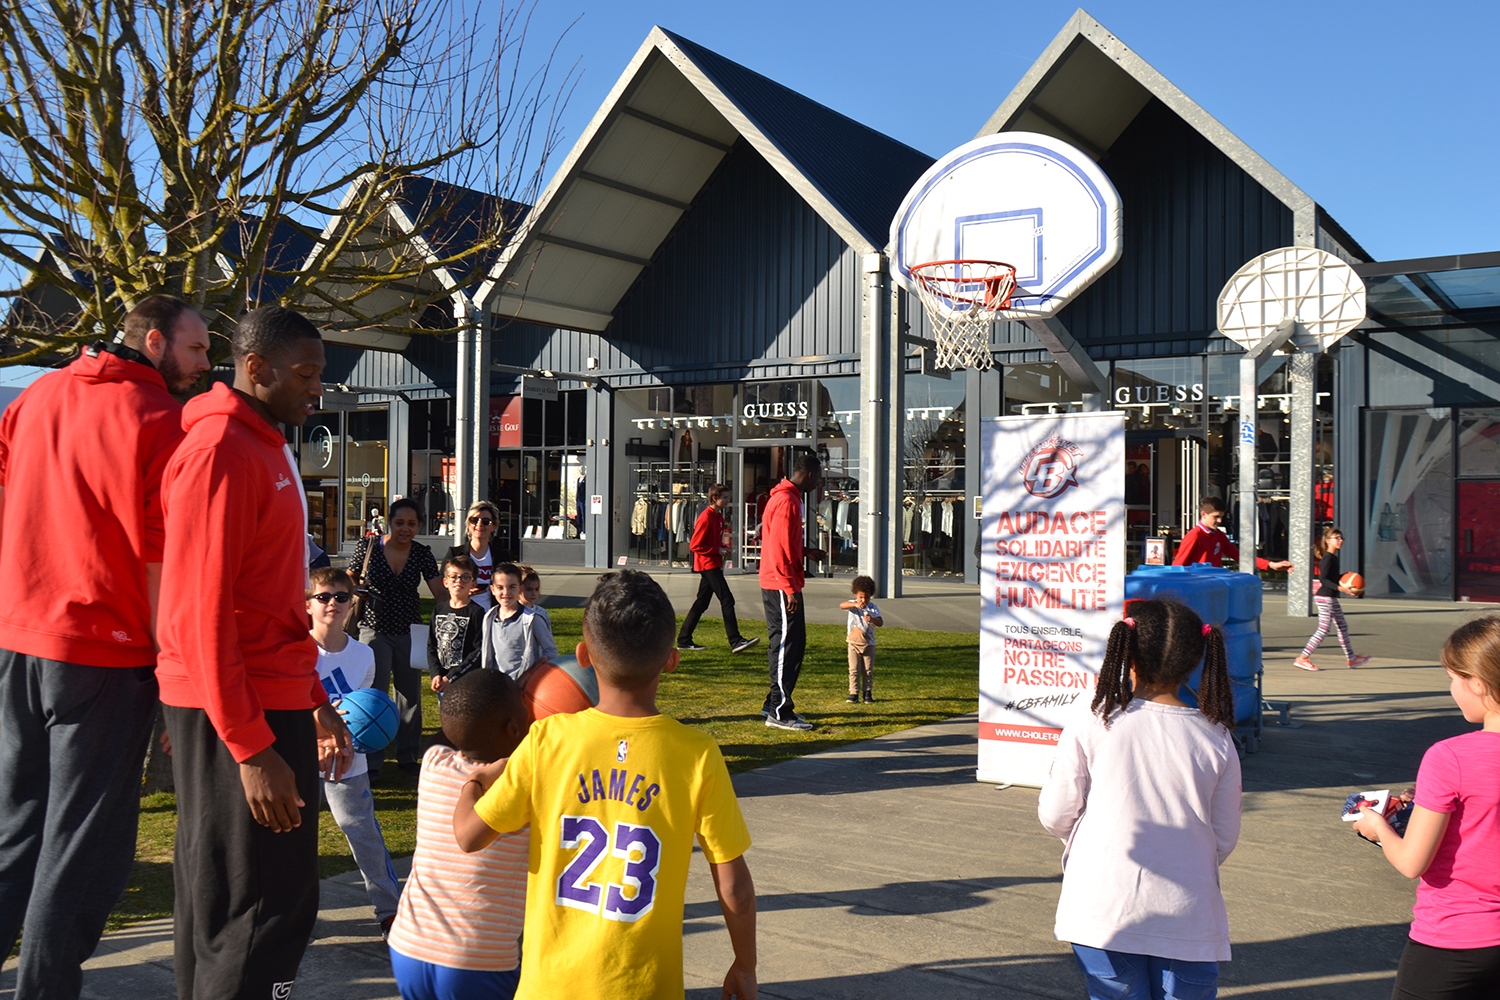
{"x":462,"y":911}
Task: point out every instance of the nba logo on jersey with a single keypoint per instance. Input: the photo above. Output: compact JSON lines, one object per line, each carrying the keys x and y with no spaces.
{"x":621,"y":751}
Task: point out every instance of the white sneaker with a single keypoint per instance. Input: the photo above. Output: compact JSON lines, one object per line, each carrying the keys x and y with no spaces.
{"x":796,"y":722}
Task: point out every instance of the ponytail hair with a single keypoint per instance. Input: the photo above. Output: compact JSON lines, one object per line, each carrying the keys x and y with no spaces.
{"x":1164,"y":641}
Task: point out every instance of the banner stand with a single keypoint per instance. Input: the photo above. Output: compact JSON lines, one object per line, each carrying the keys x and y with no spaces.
{"x":1051,"y":580}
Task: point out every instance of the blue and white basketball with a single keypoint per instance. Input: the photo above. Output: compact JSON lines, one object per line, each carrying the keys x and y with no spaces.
{"x":371,"y":717}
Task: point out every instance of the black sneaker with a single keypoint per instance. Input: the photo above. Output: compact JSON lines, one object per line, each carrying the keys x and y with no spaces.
{"x":687,"y":646}
{"x":853,"y":699}
{"x":869,"y":698}
{"x":743,"y":644}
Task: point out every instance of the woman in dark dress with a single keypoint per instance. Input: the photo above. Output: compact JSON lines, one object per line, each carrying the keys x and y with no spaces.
{"x":397,"y":567}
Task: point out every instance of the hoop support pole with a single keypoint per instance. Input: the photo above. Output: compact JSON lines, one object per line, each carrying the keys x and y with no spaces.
{"x":1071,"y":358}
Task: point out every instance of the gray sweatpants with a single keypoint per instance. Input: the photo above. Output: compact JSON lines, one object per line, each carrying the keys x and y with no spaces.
{"x":353,"y":808}
{"x":72,"y":742}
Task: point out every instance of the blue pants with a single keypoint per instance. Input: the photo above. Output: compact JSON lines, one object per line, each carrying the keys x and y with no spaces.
{"x":419,"y":980}
{"x":1119,"y":975}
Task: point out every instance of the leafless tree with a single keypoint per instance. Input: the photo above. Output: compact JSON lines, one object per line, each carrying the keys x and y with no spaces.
{"x":318,"y":153}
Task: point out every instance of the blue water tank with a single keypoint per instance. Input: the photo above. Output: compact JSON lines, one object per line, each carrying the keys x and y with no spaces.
{"x":1207,"y":594}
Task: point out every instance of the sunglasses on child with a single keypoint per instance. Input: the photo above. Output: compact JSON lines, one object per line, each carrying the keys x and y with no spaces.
{"x":342,"y":597}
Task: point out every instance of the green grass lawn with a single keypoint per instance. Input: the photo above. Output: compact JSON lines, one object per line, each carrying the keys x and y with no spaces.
{"x":920,"y":677}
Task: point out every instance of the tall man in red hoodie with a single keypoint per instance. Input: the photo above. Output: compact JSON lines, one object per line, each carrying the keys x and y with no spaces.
{"x":707,"y":546}
{"x":81,"y":457}
{"x":782,"y":560}
{"x":250,"y":723}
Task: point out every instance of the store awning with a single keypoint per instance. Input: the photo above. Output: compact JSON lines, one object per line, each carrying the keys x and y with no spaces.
{"x":1461,"y":290}
{"x":668,"y":122}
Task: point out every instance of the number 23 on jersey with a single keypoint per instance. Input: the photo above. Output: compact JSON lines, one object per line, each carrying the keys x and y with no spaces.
{"x":627,"y":900}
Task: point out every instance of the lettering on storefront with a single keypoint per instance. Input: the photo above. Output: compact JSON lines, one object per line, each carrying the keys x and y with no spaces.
{"x":1139,"y":395}
{"x":797,"y":410}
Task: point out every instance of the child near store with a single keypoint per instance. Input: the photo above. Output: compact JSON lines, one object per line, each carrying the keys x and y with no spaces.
{"x":1330,"y":612}
{"x":455,"y":640}
{"x":864,"y":619}
{"x":1453,"y":836}
{"x":531,"y":591}
{"x":345,"y":665}
{"x":1140,"y":894}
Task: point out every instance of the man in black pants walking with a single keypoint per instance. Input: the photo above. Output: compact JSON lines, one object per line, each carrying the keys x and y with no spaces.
{"x":251,"y":725}
{"x":707,"y":546}
{"x":781,"y":577}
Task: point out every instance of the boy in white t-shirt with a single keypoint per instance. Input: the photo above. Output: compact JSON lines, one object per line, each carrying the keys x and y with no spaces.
{"x":345,"y":665}
{"x":864,"y":619}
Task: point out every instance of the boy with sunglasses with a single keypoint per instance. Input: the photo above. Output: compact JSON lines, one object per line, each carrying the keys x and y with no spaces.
{"x":345,"y":665}
{"x":453,"y":642}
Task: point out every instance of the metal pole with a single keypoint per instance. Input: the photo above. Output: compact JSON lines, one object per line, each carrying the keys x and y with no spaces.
{"x":1303,"y":376}
{"x":463,"y":424}
{"x":871,"y":426}
{"x":891,"y":492}
{"x":1249,"y":411}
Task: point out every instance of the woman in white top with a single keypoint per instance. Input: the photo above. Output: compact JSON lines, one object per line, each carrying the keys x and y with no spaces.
{"x":1145,"y":793}
{"x":479,"y":528}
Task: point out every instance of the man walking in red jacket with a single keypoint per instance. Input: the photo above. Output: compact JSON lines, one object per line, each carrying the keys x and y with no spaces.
{"x":81,"y":458}
{"x":782,"y":558}
{"x":707,"y":546}
{"x":251,"y":725}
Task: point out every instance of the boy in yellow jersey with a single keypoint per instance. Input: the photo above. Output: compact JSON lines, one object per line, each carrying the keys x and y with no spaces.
{"x":615,"y":796}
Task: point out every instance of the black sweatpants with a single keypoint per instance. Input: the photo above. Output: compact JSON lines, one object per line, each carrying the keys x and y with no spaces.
{"x":786,"y":641}
{"x":1428,"y":973}
{"x":711,"y":582}
{"x":72,"y":743}
{"x":246,"y":898}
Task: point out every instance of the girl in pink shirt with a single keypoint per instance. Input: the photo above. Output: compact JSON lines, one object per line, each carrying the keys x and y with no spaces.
{"x":1452,"y":840}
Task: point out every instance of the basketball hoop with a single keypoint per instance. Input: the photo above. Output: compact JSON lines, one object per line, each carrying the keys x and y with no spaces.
{"x":962,"y":298}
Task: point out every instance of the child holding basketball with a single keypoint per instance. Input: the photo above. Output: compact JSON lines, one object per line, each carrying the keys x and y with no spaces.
{"x":1330,"y":586}
{"x":346,"y":665}
{"x":1452,"y":837}
{"x":454,"y":641}
{"x":457,"y":933}
{"x":615,"y":796}
{"x":864,"y":619}
{"x":1140,"y":895}
{"x":516,"y":638}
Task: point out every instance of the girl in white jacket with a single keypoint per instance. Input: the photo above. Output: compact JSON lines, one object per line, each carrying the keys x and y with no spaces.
{"x":1145,"y":793}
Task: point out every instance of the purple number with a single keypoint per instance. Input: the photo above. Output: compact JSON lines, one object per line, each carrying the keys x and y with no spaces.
{"x":573,"y":886}
{"x":640,"y":873}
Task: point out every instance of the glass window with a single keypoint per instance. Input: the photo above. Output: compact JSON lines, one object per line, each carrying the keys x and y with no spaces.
{"x":578,"y":415}
{"x":1409,"y":513}
{"x":554,"y":421}
{"x":434,"y":468}
{"x":1039,"y":388}
{"x":775,"y":411}
{"x":366,"y":466}
{"x":531,"y":423}
{"x":1479,"y":443}
{"x":934,"y":502}
{"x":1160,"y":393}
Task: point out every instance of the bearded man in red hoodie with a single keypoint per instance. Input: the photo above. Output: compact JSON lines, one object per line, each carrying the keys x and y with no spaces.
{"x":251,"y":726}
{"x":81,"y":457}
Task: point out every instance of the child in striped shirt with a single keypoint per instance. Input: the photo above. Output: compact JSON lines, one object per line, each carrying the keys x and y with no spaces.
{"x":463,"y":913}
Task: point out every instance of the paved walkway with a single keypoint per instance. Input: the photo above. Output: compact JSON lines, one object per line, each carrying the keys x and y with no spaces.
{"x":884,"y":870}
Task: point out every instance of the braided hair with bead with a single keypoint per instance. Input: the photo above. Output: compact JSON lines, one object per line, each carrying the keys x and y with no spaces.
{"x":1164,"y":641}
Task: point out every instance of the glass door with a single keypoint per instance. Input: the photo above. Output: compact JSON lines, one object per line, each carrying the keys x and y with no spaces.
{"x":1478,"y":563}
{"x":730,"y":472}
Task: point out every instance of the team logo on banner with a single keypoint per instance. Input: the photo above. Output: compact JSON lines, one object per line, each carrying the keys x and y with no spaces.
{"x":1051,"y":468}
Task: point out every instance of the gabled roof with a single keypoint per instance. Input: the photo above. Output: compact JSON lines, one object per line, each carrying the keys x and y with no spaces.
{"x":288,"y":249}
{"x":1088,"y":86}
{"x":653,"y":143}
{"x":453,"y":219}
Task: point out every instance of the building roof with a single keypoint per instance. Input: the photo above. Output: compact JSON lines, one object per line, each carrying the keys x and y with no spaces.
{"x":1088,"y":86}
{"x":1425,"y":292}
{"x":453,"y":219}
{"x":653,"y":143}
{"x":286,"y":251}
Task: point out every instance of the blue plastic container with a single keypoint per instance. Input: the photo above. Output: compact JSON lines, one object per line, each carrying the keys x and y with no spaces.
{"x":1207,"y":594}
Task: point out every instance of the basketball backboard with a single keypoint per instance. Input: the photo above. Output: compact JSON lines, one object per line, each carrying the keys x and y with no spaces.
{"x":1021,"y":198}
{"x":1321,"y":293}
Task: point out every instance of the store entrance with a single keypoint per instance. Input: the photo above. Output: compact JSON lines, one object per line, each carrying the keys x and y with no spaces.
{"x":1478,"y":563}
{"x":1164,"y":481}
{"x":751,"y":472}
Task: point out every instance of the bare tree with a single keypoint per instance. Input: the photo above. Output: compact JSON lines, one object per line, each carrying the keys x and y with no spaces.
{"x":208,"y":148}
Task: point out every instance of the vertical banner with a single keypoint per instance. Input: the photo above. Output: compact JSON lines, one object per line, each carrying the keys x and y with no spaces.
{"x":1051,"y":580}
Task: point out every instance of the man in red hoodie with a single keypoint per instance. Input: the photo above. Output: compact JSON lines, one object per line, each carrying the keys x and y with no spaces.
{"x":782,"y":559}
{"x":81,"y":457}
{"x":251,"y":725}
{"x":707,"y":546}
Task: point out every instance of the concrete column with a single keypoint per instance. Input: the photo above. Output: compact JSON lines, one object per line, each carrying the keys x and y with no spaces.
{"x":463,"y":429}
{"x":1303,"y":376}
{"x":1248,"y":430}
{"x":598,"y":467}
{"x":479,"y":440}
{"x":1349,"y":401}
{"x":875,"y":330}
{"x":894,"y":432}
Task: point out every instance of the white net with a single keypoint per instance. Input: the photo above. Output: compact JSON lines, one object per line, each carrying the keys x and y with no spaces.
{"x":962,"y":298}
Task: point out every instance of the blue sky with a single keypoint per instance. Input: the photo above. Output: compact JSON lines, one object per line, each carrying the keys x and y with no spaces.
{"x":1385,"y":113}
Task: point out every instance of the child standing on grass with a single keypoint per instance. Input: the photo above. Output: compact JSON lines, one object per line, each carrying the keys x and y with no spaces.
{"x":864,"y":619}
{"x":1140,"y":895}
{"x":345,"y":665}
{"x":458,"y":931}
{"x":1330,"y":586}
{"x":516,"y":638}
{"x":1452,"y":839}
{"x":454,"y":641}
{"x":615,"y":796}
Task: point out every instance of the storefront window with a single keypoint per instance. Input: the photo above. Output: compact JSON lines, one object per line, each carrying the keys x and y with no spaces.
{"x":1479,"y":443}
{"x":933,"y":520}
{"x":366,"y":466}
{"x":1409,"y":502}
{"x":321,"y":462}
{"x":1160,"y":393}
{"x":434,"y":467}
{"x":776,"y":411}
{"x":536,"y":474}
{"x":1039,"y":388}
{"x":838,"y":523}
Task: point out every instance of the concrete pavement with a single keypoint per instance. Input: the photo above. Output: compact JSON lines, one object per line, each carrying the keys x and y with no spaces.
{"x":884,"y":870}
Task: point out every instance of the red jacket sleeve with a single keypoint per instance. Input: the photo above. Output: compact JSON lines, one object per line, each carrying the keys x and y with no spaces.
{"x":705,"y":527}
{"x":1192,"y":549}
{"x":209,"y":514}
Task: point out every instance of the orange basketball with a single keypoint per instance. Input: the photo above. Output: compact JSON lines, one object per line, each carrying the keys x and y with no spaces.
{"x":1354,"y":582}
{"x":559,"y":688}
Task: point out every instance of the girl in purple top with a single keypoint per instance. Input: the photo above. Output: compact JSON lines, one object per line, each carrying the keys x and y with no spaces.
{"x":1452,"y":840}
